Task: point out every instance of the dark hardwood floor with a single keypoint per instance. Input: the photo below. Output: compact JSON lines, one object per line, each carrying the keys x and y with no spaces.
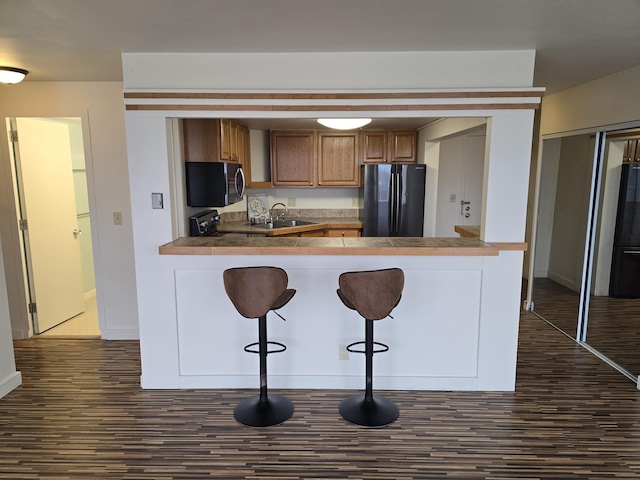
{"x":613,"y":326}
{"x":81,"y":414}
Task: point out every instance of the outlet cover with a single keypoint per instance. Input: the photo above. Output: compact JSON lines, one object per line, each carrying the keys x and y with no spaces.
{"x":117,"y":218}
{"x":343,"y":353}
{"x":291,"y":202}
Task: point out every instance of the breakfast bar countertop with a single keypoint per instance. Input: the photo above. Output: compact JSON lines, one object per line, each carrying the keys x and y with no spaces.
{"x":376,"y":246}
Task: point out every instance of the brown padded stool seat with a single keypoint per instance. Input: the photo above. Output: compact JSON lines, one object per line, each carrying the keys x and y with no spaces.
{"x":254,"y":291}
{"x":373,"y":294}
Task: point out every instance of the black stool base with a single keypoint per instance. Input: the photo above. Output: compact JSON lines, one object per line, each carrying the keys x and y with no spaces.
{"x":378,"y":413}
{"x":254,"y":413}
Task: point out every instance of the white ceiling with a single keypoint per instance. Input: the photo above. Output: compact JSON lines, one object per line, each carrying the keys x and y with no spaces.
{"x":81,"y":40}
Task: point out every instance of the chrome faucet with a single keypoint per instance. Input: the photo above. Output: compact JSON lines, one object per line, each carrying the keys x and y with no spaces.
{"x":278,"y":216}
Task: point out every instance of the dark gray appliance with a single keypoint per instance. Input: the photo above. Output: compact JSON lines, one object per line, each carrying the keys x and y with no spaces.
{"x":393,"y":200}
{"x":625,"y":267}
{"x":213,"y":184}
{"x":204,"y":224}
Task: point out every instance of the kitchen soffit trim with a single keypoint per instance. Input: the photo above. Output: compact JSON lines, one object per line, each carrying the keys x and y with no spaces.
{"x":334,"y":102}
{"x":334,"y":108}
{"x":336,"y":96}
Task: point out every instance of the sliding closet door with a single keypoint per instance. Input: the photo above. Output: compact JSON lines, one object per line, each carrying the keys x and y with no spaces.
{"x":562,"y":231}
{"x":613,"y":327}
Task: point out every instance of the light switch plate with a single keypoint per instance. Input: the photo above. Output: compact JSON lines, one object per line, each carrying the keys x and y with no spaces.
{"x":156,"y":200}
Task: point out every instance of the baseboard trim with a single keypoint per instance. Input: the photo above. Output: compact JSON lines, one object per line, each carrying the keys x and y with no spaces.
{"x":124,"y":334}
{"x":89,"y":295}
{"x":10,"y":383}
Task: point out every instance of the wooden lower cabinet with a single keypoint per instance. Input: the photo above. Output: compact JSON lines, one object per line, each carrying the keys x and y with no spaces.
{"x":343,"y":232}
{"x":310,"y":233}
{"x":313,"y":233}
{"x":329,"y":232}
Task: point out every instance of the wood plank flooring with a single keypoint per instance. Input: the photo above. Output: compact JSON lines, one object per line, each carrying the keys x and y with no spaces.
{"x":81,"y":414}
{"x":613,"y":326}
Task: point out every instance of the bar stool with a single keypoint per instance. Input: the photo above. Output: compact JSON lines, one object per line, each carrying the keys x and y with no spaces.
{"x":373,"y":294}
{"x":254,"y":291}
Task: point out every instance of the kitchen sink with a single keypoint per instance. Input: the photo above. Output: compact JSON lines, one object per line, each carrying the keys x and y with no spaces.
{"x":284,"y":224}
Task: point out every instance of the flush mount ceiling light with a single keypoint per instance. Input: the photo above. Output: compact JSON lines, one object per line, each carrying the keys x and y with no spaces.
{"x":12,"y":75}
{"x":344,"y":123}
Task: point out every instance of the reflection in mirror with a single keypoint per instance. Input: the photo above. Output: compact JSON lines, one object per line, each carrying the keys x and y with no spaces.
{"x":563,"y":212}
{"x":614,"y":308}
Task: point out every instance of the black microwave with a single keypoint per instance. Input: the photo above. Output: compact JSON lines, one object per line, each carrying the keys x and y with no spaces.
{"x":213,"y":184}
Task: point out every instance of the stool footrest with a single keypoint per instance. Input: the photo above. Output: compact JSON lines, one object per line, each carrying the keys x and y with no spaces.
{"x":350,"y":348}
{"x":282,"y":348}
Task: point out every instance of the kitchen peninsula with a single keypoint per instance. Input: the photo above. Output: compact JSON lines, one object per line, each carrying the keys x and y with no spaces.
{"x":439,"y":336}
{"x":456,"y":326}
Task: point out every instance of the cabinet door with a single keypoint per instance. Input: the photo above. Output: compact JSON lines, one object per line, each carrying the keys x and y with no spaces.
{"x":234,"y":141}
{"x":403,"y":146}
{"x":375,"y":146}
{"x":312,"y":233}
{"x":343,"y":232}
{"x":293,"y":158}
{"x":201,"y":139}
{"x":229,"y":140}
{"x":338,"y":159}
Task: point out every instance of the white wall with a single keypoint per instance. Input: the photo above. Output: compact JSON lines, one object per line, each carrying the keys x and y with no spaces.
{"x":604,"y":102}
{"x":9,"y":377}
{"x":570,"y":211}
{"x":100,"y":106}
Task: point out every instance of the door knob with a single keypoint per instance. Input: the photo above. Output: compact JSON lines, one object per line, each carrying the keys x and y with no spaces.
{"x":77,"y":232}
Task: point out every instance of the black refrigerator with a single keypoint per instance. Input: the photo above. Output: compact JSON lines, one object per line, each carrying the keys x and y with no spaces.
{"x":625,"y":267}
{"x":393,"y":198}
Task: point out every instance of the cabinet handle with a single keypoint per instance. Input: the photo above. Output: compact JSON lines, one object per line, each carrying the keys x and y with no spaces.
{"x":311,"y":183}
{"x":319,"y":183}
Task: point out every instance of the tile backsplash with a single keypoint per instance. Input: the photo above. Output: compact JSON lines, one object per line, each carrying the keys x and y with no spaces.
{"x":298,"y":213}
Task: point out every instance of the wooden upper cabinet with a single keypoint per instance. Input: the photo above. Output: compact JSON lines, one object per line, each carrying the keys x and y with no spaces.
{"x":210,"y":140}
{"x":375,"y":146}
{"x":201,"y":140}
{"x":389,"y":146}
{"x":338,"y":159}
{"x":228,"y":140}
{"x":293,"y":158}
{"x":403,"y":146}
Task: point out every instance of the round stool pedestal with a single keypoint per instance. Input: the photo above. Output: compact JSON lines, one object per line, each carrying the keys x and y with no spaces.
{"x":254,"y":413}
{"x":376,"y":413}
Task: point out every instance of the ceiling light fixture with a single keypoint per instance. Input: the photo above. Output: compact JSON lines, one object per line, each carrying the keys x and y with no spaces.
{"x":344,"y":123}
{"x":12,"y":75}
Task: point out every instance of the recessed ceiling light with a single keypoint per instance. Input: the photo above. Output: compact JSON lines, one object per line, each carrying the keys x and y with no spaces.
{"x":344,"y":123}
{"x":12,"y":75}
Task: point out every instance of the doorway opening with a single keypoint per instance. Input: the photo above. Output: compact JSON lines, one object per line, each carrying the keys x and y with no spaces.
{"x":55,"y":225}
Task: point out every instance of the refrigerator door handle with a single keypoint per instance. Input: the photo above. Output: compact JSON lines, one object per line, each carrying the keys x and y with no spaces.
{"x":631,"y":252}
{"x":392,"y":196}
{"x":398,"y":204}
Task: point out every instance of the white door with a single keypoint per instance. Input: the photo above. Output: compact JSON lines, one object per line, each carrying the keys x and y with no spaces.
{"x":472,"y":181}
{"x":52,"y":245}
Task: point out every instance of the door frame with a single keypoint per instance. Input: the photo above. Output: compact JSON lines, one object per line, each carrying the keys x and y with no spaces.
{"x":11,"y":237}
